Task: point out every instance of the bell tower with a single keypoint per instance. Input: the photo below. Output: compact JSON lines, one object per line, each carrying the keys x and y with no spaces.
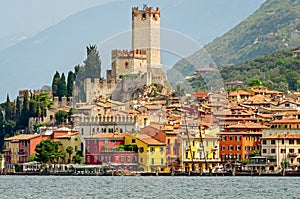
{"x":146,"y":34}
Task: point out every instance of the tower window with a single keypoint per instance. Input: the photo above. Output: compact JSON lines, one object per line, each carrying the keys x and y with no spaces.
{"x":126,"y":64}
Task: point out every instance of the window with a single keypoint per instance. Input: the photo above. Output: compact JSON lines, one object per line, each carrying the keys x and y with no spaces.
{"x":272,"y":150}
{"x":238,"y":138}
{"x":76,"y":148}
{"x":144,"y":15}
{"x":298,"y":141}
{"x":223,"y":157}
{"x":272,"y":141}
{"x":291,"y":141}
{"x":133,"y":141}
{"x":95,"y":141}
{"x":122,"y":159}
{"x":88,"y":149}
{"x":152,"y":149}
{"x":82,"y":131}
{"x":126,"y":65}
{"x":88,"y":159}
{"x":161,"y":161}
{"x":223,"y":147}
{"x":238,"y":148}
{"x":298,"y":160}
{"x":95,"y":149}
{"x":128,"y":159}
{"x":95,"y":158}
{"x":152,"y":160}
{"x":238,"y":156}
{"x":264,"y":141}
{"x":161,"y":149}
{"x":264,"y":150}
{"x":246,"y":148}
{"x":250,"y":148}
{"x":141,"y":149}
{"x":230,"y":138}
{"x":141,"y":159}
{"x":298,"y":150}
{"x":113,"y":141}
{"x":291,"y":151}
{"x":282,"y":141}
{"x":109,"y":158}
{"x":224,"y":138}
{"x":282,"y":150}
{"x":230,"y":148}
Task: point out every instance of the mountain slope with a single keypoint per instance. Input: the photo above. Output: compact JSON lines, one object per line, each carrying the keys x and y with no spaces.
{"x":275,"y":25}
{"x":279,"y":71}
{"x":32,"y":62}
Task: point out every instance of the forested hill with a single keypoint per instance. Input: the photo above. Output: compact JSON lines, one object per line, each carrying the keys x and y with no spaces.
{"x":274,"y":26}
{"x":279,"y":70}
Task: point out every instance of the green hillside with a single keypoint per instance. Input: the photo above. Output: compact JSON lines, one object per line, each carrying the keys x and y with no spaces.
{"x":279,"y":70}
{"x":274,"y":26}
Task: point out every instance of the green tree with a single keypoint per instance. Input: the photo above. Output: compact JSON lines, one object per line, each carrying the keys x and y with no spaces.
{"x":69,"y":150}
{"x":62,"y":87}
{"x":32,"y":158}
{"x":255,"y":82}
{"x":92,"y":62}
{"x":24,"y":118}
{"x":8,"y":108}
{"x":70,"y":84}
{"x":55,"y":83}
{"x":61,"y":116}
{"x":46,"y":150}
{"x":78,"y":157}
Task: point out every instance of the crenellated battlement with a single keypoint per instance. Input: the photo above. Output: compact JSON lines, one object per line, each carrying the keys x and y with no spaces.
{"x":147,"y":11}
{"x":117,"y":119}
{"x":127,"y":54}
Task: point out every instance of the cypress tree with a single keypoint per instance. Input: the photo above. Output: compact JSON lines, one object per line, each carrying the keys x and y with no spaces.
{"x":62,"y":87}
{"x":55,"y":84}
{"x":8,"y":109}
{"x":70,"y":84}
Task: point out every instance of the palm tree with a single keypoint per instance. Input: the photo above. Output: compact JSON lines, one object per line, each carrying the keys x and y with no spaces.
{"x":69,"y":150}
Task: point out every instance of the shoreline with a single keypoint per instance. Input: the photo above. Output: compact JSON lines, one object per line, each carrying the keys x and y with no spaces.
{"x":288,"y":174}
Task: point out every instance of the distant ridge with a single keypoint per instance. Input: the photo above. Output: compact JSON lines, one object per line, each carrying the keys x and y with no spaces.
{"x":274,"y":26}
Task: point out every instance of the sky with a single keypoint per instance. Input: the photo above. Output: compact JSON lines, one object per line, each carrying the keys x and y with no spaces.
{"x":32,"y":16}
{"x":21,"y":20}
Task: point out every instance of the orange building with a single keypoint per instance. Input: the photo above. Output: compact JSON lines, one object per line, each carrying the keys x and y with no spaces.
{"x":239,"y":140}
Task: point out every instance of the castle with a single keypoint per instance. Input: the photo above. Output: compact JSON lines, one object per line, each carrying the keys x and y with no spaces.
{"x":131,"y":69}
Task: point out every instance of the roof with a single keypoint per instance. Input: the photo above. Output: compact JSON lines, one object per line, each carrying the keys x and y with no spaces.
{"x":149,"y":140}
{"x":107,"y":136}
{"x":200,"y":95}
{"x":247,"y":125}
{"x":283,"y":136}
{"x":22,"y":137}
{"x":286,"y":121}
{"x":66,"y":136}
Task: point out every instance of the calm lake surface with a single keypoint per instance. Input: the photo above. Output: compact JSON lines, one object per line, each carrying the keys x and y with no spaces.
{"x":148,"y":187}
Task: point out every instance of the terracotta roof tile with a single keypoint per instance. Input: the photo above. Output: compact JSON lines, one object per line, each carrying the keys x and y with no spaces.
{"x":22,"y":137}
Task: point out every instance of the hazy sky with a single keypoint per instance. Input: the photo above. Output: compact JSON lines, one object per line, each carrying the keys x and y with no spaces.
{"x":31,"y":16}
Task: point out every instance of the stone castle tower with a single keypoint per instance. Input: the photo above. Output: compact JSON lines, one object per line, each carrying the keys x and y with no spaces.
{"x":142,"y":60}
{"x":146,"y":34}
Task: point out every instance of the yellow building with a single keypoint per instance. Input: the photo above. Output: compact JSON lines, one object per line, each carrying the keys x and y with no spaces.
{"x":71,"y":139}
{"x":198,"y":153}
{"x":151,"y":152}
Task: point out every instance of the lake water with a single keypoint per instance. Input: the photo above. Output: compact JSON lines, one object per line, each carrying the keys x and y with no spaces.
{"x":148,"y":187}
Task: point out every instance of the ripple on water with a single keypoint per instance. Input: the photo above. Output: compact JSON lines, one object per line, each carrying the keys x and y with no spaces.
{"x":147,"y":187}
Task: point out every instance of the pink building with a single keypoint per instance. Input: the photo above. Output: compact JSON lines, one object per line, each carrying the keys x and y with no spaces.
{"x":109,"y":148}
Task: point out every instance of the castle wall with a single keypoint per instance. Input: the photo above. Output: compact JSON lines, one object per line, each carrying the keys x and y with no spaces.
{"x":129,"y":85}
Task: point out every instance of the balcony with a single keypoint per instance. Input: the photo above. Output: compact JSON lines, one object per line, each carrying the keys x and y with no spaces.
{"x":214,"y":148}
{"x":292,"y":155}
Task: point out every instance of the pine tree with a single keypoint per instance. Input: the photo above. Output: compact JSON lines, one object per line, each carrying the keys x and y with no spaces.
{"x":55,"y":83}
{"x":24,"y":118}
{"x":18,"y":108}
{"x":92,"y":62}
